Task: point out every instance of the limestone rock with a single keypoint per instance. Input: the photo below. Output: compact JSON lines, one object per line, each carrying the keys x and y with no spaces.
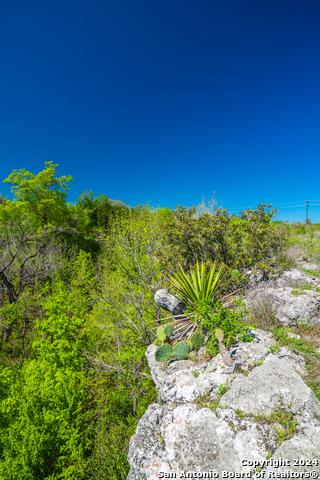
{"x":196,"y":440}
{"x":180,"y":436}
{"x":267,"y":386}
{"x":184,"y":381}
{"x":290,"y":307}
{"x":168,"y":302}
{"x":296,"y":278}
{"x":309,"y":266}
{"x":296,"y":362}
{"x":290,"y":278}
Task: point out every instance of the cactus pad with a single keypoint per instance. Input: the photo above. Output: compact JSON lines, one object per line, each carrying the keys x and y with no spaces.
{"x":219,"y":334}
{"x":190,"y":345}
{"x":163,"y":353}
{"x":161,"y":334}
{"x":157,"y":342}
{"x":198,"y":340}
{"x":180,"y":350}
{"x":168,"y":330}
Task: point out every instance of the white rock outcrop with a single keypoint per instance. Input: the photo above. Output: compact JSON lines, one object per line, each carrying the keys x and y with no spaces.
{"x":236,"y":433}
{"x":179,"y":436}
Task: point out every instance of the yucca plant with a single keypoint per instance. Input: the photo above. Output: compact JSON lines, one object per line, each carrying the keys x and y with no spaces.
{"x":202,"y":285}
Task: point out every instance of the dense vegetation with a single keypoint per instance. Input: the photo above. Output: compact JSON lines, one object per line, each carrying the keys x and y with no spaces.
{"x":77,"y":313}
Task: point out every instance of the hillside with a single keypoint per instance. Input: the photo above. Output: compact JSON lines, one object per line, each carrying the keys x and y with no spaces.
{"x":77,"y":314}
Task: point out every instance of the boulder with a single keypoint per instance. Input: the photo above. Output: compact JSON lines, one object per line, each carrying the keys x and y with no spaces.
{"x":273,"y":383}
{"x":296,"y":278}
{"x":168,"y":302}
{"x":290,"y":278}
{"x":192,"y":439}
{"x":290,"y":306}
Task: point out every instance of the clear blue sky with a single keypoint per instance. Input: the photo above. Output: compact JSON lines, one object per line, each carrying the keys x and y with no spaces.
{"x":165,"y":101}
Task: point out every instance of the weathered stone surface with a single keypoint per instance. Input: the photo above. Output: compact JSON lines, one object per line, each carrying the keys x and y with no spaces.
{"x":147,"y":453}
{"x":252,"y":353}
{"x":264,"y":338}
{"x":296,"y":362}
{"x":183,"y":381}
{"x":168,"y":302}
{"x":179,"y":436}
{"x":197,"y":440}
{"x":290,"y":308}
{"x":290,"y":278}
{"x":172,"y":438}
{"x":267,"y":386}
{"x":296,"y":278}
{"x":178,"y":384}
{"x":300,"y":446}
{"x":309,"y":266}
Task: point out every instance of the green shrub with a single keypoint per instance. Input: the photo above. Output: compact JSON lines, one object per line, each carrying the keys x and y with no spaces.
{"x":251,"y":240}
{"x":213,"y":316}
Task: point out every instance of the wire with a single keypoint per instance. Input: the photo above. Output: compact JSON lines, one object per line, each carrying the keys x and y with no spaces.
{"x":275,"y":206}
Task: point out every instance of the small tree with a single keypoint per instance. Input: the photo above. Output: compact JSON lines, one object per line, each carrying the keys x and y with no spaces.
{"x":43,"y":194}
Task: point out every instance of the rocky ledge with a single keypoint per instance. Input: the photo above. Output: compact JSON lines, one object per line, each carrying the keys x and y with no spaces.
{"x":210,"y":420}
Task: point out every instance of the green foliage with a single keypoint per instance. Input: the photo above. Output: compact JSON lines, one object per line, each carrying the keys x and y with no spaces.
{"x":180,"y":350}
{"x":61,"y":334}
{"x":197,"y":340}
{"x":43,"y":194}
{"x":301,"y":230}
{"x":213,"y":316}
{"x":157,"y":342}
{"x":161,"y":333}
{"x":163,"y":353}
{"x":219,"y":334}
{"x":113,"y":424}
{"x":251,"y":240}
{"x":43,"y":411}
{"x":223,"y":388}
{"x":191,"y":346}
{"x":44,"y":418}
{"x":168,"y":330}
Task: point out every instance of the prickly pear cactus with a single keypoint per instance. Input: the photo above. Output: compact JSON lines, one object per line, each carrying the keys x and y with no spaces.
{"x":198,"y":340}
{"x":163,"y":353}
{"x":190,"y":345}
{"x":161,"y":334}
{"x":168,"y":330}
{"x":157,"y":342}
{"x":219,"y":334}
{"x":180,"y":350}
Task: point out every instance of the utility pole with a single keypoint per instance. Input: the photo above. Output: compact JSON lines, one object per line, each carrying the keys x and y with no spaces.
{"x":307,"y":212}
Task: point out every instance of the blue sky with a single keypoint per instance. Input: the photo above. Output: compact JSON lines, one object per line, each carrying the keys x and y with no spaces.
{"x":166,"y":101}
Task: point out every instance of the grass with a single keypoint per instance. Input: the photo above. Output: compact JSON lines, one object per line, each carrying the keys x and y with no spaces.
{"x":307,"y":347}
{"x":281,"y":416}
{"x":204,"y":401}
{"x":314,"y":273}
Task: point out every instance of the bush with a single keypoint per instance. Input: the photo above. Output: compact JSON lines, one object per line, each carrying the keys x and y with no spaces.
{"x":249,"y":241}
{"x":230,"y":320}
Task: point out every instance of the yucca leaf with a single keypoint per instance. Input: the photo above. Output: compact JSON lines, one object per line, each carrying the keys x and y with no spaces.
{"x":200,"y":285}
